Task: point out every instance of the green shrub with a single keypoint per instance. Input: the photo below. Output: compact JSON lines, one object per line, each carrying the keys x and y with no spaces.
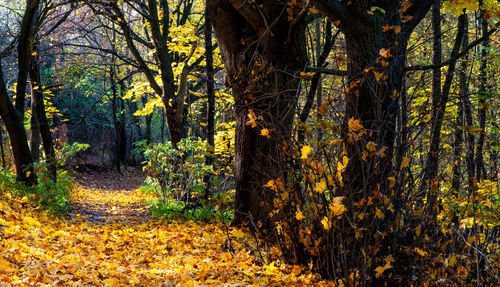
{"x":177,"y":173}
{"x":46,"y":195}
{"x":173,"y":210}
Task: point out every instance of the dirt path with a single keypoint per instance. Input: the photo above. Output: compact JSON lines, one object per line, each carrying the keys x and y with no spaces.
{"x":109,"y":197}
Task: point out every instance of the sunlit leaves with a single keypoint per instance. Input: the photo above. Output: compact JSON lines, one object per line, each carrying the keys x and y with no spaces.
{"x":326,"y":223}
{"x":305,"y":151}
{"x":39,"y":250}
{"x":380,"y":269}
{"x":299,"y":215}
{"x":265,"y":133}
{"x":405,"y":162}
{"x":252,"y":118}
{"x":354,"y":125}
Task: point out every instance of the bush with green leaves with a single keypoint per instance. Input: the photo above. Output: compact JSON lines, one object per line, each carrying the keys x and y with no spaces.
{"x":46,"y":194}
{"x":177,"y":172}
{"x":213,"y":211}
{"x":67,"y":153}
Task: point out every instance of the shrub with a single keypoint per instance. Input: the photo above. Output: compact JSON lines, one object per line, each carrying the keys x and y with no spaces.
{"x":177,"y":173}
{"x":47,"y":194}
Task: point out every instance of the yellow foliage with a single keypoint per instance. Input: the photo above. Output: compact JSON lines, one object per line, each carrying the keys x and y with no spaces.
{"x":326,"y":223}
{"x":40,"y":250}
{"x":251,"y":118}
{"x":354,"y":125}
{"x":305,"y":152}
{"x":299,"y":215}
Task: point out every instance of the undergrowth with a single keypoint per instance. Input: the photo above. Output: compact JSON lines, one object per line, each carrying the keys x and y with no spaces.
{"x":46,"y":194}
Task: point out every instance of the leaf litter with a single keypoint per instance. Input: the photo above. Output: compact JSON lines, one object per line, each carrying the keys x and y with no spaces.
{"x":110,"y":239}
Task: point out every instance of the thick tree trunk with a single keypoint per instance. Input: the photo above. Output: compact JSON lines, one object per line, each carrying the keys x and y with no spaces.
{"x":14,"y":124}
{"x":262,"y":64}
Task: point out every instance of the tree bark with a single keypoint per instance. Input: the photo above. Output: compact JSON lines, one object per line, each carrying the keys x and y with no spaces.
{"x":483,"y":94}
{"x":465,"y":120}
{"x":263,"y":54}
{"x":14,"y":124}
{"x":40,"y":114}
{"x":13,"y":117}
{"x":35,"y":139}
{"x":210,"y":116}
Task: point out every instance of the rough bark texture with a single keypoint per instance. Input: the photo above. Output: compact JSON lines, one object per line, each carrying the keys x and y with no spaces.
{"x":263,"y":53}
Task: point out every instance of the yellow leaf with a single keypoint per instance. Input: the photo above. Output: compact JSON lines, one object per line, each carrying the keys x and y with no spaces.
{"x":305,"y":152}
{"x":336,"y":207}
{"x":452,"y":260}
{"x":320,"y":186}
{"x":420,"y":252}
{"x":354,"y":125}
{"x":252,"y":118}
{"x":379,"y":214}
{"x":392,"y":181}
{"x":371,"y":146}
{"x":405,"y":163}
{"x":385,"y":53}
{"x":6,"y":266}
{"x":270,"y":184}
{"x":299,"y":215}
{"x":379,"y":270}
{"x":265,"y":133}
{"x":326,"y":223}
{"x":312,"y":10}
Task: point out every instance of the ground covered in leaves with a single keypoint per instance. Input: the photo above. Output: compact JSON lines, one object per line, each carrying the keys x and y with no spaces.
{"x":109,"y":239}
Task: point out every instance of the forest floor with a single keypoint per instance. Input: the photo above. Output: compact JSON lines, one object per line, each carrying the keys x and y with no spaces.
{"x":110,"y":239}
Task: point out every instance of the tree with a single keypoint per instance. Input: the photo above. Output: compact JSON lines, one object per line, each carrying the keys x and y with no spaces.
{"x":157,"y":20}
{"x":263,"y":49}
{"x":13,"y":116}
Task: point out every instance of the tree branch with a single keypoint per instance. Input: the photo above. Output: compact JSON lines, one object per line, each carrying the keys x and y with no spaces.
{"x":453,"y":57}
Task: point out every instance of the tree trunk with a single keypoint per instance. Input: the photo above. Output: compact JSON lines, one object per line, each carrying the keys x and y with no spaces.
{"x":13,"y":117}
{"x":483,"y":94}
{"x":465,"y":115}
{"x":14,"y":124}
{"x":116,"y":124}
{"x":35,"y":139}
{"x":262,"y":63}
{"x":210,"y":116}
{"x":437,"y":116}
{"x":41,"y":116}
{"x":2,"y":151}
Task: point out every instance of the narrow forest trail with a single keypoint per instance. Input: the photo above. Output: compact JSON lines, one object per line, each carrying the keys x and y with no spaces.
{"x":110,"y":240}
{"x":110,"y":197}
